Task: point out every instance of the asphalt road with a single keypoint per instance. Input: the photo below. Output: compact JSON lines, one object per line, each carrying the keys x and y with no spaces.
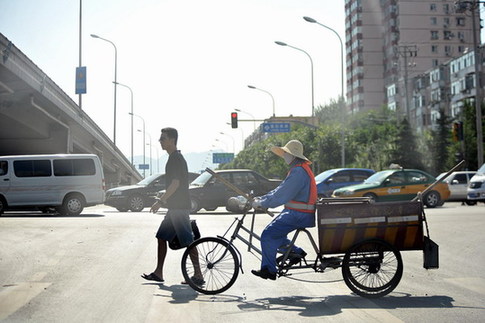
{"x":87,"y":269}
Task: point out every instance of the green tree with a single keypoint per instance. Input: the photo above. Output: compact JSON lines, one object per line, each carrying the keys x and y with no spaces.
{"x":439,"y":144}
{"x":406,"y":151}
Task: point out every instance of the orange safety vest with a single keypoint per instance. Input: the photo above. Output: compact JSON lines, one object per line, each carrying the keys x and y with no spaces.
{"x":309,"y":206}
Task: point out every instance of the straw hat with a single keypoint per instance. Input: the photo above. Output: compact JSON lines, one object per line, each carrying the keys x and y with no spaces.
{"x":293,"y":147}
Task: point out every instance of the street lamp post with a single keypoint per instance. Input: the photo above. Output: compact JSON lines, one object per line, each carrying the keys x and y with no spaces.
{"x":115,"y":83}
{"x":150,"y":143}
{"x":311,"y":65}
{"x":225,"y":143}
{"x":272,"y":98}
{"x":233,"y":141}
{"x":143,"y":120}
{"x":131,"y":113}
{"x":249,"y":114}
{"x":311,"y":20}
{"x":242,"y":135}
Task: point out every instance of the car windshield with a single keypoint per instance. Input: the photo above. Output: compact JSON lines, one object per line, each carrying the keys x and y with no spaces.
{"x":378,"y":177}
{"x":440,"y":176}
{"x":481,"y":170}
{"x":202,"y":179}
{"x":148,"y":180}
{"x":320,"y":177}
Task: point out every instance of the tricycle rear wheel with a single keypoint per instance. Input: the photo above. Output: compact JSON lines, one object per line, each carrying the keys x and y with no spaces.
{"x":372,"y":268}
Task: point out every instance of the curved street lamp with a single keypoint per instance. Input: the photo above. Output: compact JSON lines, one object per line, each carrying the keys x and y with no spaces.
{"x":311,"y":65}
{"x":143,"y":120}
{"x":131,"y":92}
{"x":272,"y":98}
{"x":115,"y":83}
{"x":313,"y":21}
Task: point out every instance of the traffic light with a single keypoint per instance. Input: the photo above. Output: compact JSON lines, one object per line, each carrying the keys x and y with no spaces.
{"x":457,"y":131}
{"x":234,"y":119}
{"x":454,"y":131}
{"x":460,"y":130}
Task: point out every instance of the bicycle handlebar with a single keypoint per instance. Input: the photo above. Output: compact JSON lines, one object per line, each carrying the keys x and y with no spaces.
{"x":234,"y":188}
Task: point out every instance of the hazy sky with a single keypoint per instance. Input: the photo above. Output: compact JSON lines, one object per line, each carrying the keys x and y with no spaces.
{"x":188,"y":62}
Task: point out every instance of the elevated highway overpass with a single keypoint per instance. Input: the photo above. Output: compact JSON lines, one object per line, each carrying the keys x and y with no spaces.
{"x":38,"y":117}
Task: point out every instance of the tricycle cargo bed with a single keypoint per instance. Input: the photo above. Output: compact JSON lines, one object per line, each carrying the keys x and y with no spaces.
{"x":344,"y":222}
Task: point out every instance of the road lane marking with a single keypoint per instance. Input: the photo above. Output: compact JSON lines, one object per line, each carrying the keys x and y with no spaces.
{"x":13,"y":297}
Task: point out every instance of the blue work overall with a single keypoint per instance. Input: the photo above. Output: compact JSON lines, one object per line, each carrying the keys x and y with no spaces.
{"x":296,"y":193}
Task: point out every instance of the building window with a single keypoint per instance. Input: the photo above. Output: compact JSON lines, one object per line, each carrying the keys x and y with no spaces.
{"x":446,"y":8}
{"x":460,"y":21}
{"x":434,"y":35}
{"x":447,"y":50}
{"x":433,"y":20}
{"x":432,"y":7}
{"x":434,"y":49}
{"x":435,"y":62}
{"x":447,"y":34}
{"x":461,"y":49}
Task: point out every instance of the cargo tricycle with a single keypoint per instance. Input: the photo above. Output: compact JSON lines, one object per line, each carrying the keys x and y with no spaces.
{"x":362,"y":238}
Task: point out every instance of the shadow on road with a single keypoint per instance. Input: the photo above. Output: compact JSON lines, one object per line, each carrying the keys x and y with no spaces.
{"x":333,"y":304}
{"x":312,"y":306}
{"x":30,"y":214}
{"x":181,"y":294}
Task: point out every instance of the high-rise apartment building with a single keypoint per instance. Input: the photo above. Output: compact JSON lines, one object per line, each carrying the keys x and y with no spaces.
{"x":390,"y":42}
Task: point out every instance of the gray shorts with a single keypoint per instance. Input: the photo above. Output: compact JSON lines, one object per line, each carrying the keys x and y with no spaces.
{"x":176,"y":222}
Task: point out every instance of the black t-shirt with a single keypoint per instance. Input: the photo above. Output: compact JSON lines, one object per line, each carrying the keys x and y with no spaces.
{"x":176,"y":168}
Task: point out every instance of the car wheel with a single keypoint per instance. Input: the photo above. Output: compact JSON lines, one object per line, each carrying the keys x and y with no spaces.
{"x":372,"y":196}
{"x":73,"y":205}
{"x":194,"y":205}
{"x":122,"y":209}
{"x":471,"y":202}
{"x":136,"y":203}
{"x":3,"y":205}
{"x":432,"y":199}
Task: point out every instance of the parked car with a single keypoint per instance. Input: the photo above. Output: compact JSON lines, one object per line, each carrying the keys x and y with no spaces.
{"x":398,"y":185}
{"x":331,"y":179}
{"x":476,"y":190}
{"x":209,"y":193}
{"x":458,"y":183}
{"x":63,"y":183}
{"x":139,"y":196}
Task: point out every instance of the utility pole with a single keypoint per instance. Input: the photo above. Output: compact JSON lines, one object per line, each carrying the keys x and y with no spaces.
{"x":407,"y":51}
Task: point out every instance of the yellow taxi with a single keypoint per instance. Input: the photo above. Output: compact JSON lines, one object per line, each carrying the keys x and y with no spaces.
{"x":398,"y":185}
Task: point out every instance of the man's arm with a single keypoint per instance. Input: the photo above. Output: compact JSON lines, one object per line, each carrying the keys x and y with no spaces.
{"x":174,"y":185}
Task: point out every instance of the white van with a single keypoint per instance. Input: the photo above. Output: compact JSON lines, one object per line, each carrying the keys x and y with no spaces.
{"x":65,"y":183}
{"x":476,"y":190}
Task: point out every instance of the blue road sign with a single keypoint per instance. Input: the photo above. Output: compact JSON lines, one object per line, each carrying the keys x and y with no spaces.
{"x":276,"y":127}
{"x":81,"y":80}
{"x":144,"y":166}
{"x":222,"y":158}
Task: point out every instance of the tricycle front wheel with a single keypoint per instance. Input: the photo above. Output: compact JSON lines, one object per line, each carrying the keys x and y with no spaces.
{"x":372,"y":268}
{"x":218,"y":263}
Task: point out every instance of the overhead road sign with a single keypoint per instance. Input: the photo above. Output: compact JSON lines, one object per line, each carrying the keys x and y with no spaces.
{"x":222,"y":158}
{"x":276,"y":127}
